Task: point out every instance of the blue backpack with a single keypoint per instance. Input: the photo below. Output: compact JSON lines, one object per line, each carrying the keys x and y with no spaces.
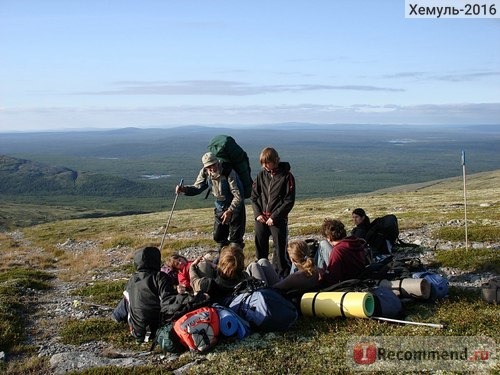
{"x":265,"y":309}
{"x":439,"y":284}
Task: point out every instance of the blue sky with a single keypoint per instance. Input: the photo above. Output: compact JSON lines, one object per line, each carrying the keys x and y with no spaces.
{"x":158,"y":63}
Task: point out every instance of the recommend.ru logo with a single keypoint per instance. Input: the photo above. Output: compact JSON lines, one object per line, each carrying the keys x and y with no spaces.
{"x":453,"y":353}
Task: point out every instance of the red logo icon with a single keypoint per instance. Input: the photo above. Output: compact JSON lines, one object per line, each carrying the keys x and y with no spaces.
{"x":365,"y":353}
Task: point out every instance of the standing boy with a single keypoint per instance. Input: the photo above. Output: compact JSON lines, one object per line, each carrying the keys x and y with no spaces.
{"x":273,"y":197}
{"x":229,"y":212}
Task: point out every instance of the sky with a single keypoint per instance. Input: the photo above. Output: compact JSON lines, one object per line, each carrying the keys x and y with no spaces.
{"x":79,"y":64}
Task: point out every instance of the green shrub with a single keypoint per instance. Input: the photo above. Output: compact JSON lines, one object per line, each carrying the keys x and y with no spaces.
{"x":474,"y":260}
{"x":122,"y":241}
{"x":14,"y":283}
{"x":113,"y":370}
{"x":474,"y":233}
{"x":103,"y":292}
{"x":78,"y":332}
{"x":31,"y":366}
{"x":29,"y":278}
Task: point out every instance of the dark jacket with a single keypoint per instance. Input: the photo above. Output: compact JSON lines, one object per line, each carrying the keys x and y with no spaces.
{"x":273,"y":194}
{"x":298,"y":283}
{"x":347,"y":260}
{"x":361,"y":230}
{"x":148,"y":289}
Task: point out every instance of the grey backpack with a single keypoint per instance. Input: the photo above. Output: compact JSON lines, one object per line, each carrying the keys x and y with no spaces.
{"x":490,"y":290}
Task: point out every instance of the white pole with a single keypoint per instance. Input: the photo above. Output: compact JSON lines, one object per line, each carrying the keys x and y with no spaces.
{"x":465,"y":201}
{"x":433,"y":325}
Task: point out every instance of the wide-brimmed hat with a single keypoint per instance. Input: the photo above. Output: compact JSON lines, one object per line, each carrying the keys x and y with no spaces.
{"x":208,"y":159}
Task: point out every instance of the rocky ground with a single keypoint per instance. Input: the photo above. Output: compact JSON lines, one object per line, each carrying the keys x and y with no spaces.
{"x":56,"y":305}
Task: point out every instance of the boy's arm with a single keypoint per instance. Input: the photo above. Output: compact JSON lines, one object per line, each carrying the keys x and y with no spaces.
{"x":255,"y":197}
{"x":288,"y":201}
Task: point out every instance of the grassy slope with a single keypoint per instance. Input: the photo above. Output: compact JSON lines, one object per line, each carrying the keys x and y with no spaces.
{"x":415,"y":205}
{"x":313,"y":345}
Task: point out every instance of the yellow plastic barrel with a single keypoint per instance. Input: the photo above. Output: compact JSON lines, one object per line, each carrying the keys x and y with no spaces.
{"x":336,"y":304}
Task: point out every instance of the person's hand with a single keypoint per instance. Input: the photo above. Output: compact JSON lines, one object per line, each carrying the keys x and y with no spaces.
{"x":197,"y":260}
{"x":179,"y":189}
{"x":226,"y":216}
{"x":270,"y":222}
{"x":206,"y":296}
{"x":181,"y":289}
{"x":261,"y":219}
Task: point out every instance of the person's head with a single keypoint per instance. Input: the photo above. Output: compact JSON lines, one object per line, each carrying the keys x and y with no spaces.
{"x":269,"y":159}
{"x":298,"y":251}
{"x":359,"y":216}
{"x":333,"y":230}
{"x":210,"y":162}
{"x":147,"y":258}
{"x":231,"y":261}
{"x":176,"y":262}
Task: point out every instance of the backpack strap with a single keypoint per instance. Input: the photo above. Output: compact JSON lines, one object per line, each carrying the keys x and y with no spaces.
{"x":204,"y":336}
{"x":226,"y":169}
{"x":313,"y":304}
{"x":400,"y":242}
{"x":342,"y":304}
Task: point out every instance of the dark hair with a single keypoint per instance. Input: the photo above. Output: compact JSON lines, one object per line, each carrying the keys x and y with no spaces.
{"x":333,"y":229}
{"x":359,"y":212}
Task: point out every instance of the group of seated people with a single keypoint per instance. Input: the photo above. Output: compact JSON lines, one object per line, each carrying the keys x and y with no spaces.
{"x":150,"y":290}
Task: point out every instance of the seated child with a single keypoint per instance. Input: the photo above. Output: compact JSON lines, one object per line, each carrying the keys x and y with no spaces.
{"x":218,"y":281}
{"x":145,"y":295}
{"x":306,"y":278}
{"x":348,"y":256}
{"x":181,"y":265}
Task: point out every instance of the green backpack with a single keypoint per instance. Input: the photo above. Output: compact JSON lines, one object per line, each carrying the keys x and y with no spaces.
{"x":167,"y":340}
{"x":225,"y":148}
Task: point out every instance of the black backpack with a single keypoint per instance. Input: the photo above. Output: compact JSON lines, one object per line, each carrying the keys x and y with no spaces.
{"x":386,"y":267}
{"x":225,"y":148}
{"x":313,"y":246}
{"x":383,"y":229}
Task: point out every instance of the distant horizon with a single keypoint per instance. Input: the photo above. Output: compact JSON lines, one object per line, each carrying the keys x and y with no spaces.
{"x":289,"y":125}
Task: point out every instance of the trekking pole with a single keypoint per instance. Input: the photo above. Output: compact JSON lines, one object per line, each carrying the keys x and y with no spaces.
{"x":170,"y":217}
{"x":433,"y":325}
{"x":465,"y":202}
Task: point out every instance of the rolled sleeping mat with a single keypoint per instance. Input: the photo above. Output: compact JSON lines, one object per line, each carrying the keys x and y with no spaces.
{"x":228,"y":323}
{"x":408,"y":287}
{"x":336,"y":304}
{"x":231,"y":323}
